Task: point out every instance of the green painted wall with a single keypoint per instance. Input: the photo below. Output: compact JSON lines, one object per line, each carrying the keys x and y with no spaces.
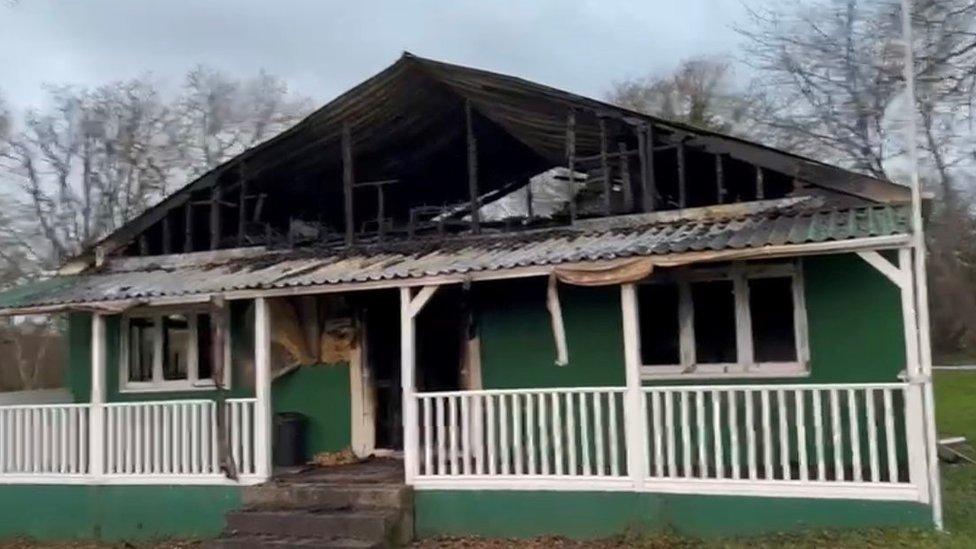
{"x":855,"y":334}
{"x":853,"y":313}
{"x":588,"y":515}
{"x":114,"y":513}
{"x":855,"y":325}
{"x":517,"y":344}
{"x":321,"y":393}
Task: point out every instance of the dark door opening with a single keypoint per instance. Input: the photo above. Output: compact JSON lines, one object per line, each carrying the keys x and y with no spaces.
{"x":440,"y":331}
{"x":381,"y":313}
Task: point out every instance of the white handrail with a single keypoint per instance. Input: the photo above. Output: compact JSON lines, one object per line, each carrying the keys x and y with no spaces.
{"x":150,"y":441}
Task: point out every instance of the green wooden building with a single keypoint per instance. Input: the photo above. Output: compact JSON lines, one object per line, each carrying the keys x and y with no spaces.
{"x":547,"y":315}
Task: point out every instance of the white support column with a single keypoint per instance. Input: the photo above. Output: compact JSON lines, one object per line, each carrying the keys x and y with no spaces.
{"x":916,"y":408}
{"x":410,"y":307}
{"x":262,"y":388}
{"x":634,"y":415}
{"x":408,"y":385}
{"x":96,"y":415}
{"x":914,"y":402}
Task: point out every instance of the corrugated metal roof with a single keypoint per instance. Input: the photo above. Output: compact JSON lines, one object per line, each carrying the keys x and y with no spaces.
{"x":604,"y":239}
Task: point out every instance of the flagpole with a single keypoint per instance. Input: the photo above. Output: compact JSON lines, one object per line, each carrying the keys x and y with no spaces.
{"x":921,"y":286}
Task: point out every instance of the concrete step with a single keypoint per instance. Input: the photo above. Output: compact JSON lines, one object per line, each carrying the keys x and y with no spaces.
{"x":328,"y":496}
{"x":367,"y":525}
{"x":268,"y":541}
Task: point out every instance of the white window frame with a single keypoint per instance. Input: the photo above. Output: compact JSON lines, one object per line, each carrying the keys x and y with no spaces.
{"x":158,"y":383}
{"x":745,"y":366}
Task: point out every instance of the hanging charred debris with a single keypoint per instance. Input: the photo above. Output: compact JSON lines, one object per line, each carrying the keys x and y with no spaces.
{"x":422,"y":148}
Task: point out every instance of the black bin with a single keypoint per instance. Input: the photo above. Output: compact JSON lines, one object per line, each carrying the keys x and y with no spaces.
{"x":289,"y":439}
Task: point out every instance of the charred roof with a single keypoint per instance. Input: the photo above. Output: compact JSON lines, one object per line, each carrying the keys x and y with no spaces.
{"x":411,"y":129}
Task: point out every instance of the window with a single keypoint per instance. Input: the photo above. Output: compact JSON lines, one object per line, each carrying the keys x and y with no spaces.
{"x":743,"y":320}
{"x":169,"y":351}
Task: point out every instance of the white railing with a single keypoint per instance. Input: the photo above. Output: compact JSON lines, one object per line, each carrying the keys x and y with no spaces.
{"x":533,"y":433}
{"x":179,"y":437}
{"x":46,"y":439}
{"x":808,"y":433}
{"x":839,"y":441}
{"x":163,"y":441}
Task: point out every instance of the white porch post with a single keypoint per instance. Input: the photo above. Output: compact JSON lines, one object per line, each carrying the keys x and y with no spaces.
{"x":915,"y":411}
{"x":633,"y":398}
{"x":407,"y":384}
{"x":96,"y":415}
{"x":914,"y":402}
{"x":262,"y":388}
{"x":410,"y":307}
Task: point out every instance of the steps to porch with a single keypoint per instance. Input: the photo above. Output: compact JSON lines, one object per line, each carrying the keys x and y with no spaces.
{"x":355,"y":506}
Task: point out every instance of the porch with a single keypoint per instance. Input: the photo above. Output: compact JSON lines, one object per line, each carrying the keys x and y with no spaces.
{"x":777,"y":437}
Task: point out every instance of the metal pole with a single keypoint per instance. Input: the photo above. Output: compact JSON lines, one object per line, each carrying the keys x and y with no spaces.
{"x":921,"y":286}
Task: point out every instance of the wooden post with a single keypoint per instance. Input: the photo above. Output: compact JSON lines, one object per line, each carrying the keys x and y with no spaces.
{"x":96,"y":415}
{"x":215,"y":231}
{"x":262,"y":388}
{"x":682,"y":180}
{"x":634,"y":405}
{"x":347,"y":182}
{"x":571,"y":161}
{"x":407,"y":384}
{"x":529,"y":207}
{"x":167,"y":235}
{"x":645,"y":146}
{"x":472,"y":148}
{"x":143,"y":245}
{"x":605,"y":166}
{"x":760,"y":184}
{"x":625,"y":178}
{"x":381,"y":211}
{"x":719,"y":179}
{"x":188,"y":225}
{"x":242,"y":207}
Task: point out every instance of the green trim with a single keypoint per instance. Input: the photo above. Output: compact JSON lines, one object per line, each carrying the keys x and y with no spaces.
{"x":590,"y":515}
{"x":114,"y":513}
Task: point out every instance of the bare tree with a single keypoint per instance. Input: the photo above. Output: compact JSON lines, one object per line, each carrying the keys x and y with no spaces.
{"x":98,"y":157}
{"x":701,"y":92}
{"x":829,"y":84}
{"x":91,"y":161}
{"x":219,"y":116}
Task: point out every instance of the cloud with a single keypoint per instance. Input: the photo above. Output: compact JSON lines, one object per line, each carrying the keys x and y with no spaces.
{"x":324,"y":47}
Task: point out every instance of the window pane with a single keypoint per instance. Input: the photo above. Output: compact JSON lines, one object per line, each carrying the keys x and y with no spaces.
{"x":204,"y":347}
{"x":714,"y":306}
{"x":176,"y":338}
{"x":658,"y":311}
{"x":140,"y":349}
{"x":773,"y":334}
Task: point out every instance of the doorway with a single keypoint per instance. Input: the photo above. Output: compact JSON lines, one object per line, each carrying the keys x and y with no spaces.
{"x":441,"y":334}
{"x":381,"y":318}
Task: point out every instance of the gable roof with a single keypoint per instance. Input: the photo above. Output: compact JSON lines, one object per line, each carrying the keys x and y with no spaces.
{"x":397,"y":106}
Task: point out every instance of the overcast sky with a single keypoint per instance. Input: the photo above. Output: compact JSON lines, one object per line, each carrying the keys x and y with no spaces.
{"x":324,"y":47}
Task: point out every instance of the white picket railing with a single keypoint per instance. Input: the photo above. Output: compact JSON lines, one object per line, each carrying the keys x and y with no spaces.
{"x":158,"y":441}
{"x":849,"y":440}
{"x":558,"y":433}
{"x":810,"y":433}
{"x":44,"y":439}
{"x":178,"y":437}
